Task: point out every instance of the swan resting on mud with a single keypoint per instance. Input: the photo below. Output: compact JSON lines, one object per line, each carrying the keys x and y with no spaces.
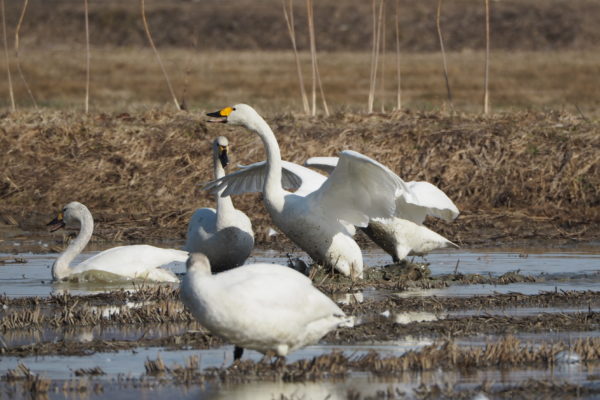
{"x":320,"y":222}
{"x":265,"y":307}
{"x":125,"y":262}
{"x":224,"y":235}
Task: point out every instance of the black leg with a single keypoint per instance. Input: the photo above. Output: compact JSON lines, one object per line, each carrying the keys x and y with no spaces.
{"x":237,"y":353}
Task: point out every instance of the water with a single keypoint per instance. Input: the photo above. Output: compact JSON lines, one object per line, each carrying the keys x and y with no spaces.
{"x":556,"y":269}
{"x":567,"y":269}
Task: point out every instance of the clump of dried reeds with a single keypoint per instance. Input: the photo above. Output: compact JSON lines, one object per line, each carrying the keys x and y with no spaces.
{"x":528,"y":173}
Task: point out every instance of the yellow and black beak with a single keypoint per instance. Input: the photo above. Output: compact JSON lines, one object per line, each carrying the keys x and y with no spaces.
{"x":223,"y":156}
{"x":221,"y":115}
{"x":57,"y":223}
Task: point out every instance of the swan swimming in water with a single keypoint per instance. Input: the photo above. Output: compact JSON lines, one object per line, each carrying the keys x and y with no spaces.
{"x":404,"y":234}
{"x":224,"y":235}
{"x":320,"y":222}
{"x":264,"y":307}
{"x":129,"y":262}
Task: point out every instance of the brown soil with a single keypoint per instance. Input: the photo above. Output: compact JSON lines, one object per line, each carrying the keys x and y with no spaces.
{"x":524,"y":176}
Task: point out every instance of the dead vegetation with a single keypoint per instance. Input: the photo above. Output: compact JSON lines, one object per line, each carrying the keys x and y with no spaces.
{"x":513,"y":176}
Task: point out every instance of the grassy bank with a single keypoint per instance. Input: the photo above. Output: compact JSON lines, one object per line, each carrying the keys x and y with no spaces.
{"x":513,"y":176}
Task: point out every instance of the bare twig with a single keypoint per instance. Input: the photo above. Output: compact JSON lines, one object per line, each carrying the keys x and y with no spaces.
{"x":87,"y":57}
{"x":383,"y":51}
{"x":375,"y":61}
{"x":486,"y":97}
{"x":371,"y":99}
{"x":439,"y":30}
{"x":10,"y":86}
{"x":289,"y":20}
{"x":17,"y":30}
{"x":315,"y":68}
{"x":162,"y":67}
{"x":398,"y":75}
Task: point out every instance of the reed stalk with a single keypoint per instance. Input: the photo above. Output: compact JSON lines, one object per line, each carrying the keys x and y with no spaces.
{"x":18,"y":60}
{"x":383,"y":51}
{"x":87,"y":56}
{"x":371,"y":98}
{"x":289,"y":20}
{"x":377,"y":18}
{"x":398,"y":74}
{"x":315,"y":68}
{"x":486,"y":74}
{"x":162,"y":67}
{"x":10,"y":86}
{"x":445,"y":64}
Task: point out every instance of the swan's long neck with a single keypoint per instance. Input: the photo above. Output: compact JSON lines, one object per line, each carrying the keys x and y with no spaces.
{"x":224,"y":204}
{"x":61,"y":269}
{"x":272,"y":190}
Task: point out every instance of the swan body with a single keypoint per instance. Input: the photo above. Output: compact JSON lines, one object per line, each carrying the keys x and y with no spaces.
{"x":319,"y":221}
{"x":224,"y":235}
{"x":404,"y":234}
{"x":264,"y":307}
{"x":129,"y":262}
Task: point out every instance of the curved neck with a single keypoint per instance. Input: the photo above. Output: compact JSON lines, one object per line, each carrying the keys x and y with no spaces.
{"x":61,"y":269}
{"x":224,"y":204}
{"x":272,"y":189}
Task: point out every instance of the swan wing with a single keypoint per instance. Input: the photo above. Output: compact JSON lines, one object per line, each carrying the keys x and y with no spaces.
{"x":251,"y":178}
{"x":426,"y":199}
{"x":359,"y":188}
{"x":132,"y":261}
{"x":325,"y":164}
{"x":277,"y":292}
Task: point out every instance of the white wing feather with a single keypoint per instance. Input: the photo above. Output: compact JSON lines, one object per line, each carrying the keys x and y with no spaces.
{"x":251,"y":178}
{"x":359,"y":188}
{"x":425,"y":199}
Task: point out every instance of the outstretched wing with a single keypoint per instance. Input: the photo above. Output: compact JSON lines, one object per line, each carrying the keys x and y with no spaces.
{"x":425,"y":199}
{"x":429,"y":200}
{"x":325,"y":164}
{"x":359,"y":188}
{"x":251,"y":178}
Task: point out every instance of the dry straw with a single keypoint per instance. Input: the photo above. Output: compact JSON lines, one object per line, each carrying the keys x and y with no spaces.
{"x":162,"y":67}
{"x":288,"y":13}
{"x":87,"y":56}
{"x":486,"y":97}
{"x":445,"y":64}
{"x":10,"y":86}
{"x":316,"y":76}
{"x":398,"y":71}
{"x":18,"y":60}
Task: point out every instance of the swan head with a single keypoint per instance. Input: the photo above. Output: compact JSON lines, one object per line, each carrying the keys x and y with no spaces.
{"x":70,"y":214}
{"x":240,"y":114}
{"x":221,"y":147}
{"x":198,"y":262}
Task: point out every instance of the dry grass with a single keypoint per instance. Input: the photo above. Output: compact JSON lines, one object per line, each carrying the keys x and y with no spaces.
{"x":532,"y":175}
{"x":129,"y":79}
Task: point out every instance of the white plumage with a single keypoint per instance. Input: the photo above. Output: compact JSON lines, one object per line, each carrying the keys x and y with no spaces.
{"x":264,"y":307}
{"x":320,"y":221}
{"x":129,"y":262}
{"x":404,"y":233}
{"x":224,"y":235}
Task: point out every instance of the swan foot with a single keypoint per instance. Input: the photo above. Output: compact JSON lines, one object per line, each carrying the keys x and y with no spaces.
{"x":237,"y":353}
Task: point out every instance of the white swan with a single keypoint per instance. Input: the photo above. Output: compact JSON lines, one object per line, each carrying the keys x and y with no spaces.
{"x":224,"y":235}
{"x":264,"y":307}
{"x":130,"y":262}
{"x":404,"y":234}
{"x":319,"y":222}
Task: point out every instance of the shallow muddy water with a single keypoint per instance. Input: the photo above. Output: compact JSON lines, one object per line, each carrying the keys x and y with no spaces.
{"x":555,"y":269}
{"x":561,"y":269}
